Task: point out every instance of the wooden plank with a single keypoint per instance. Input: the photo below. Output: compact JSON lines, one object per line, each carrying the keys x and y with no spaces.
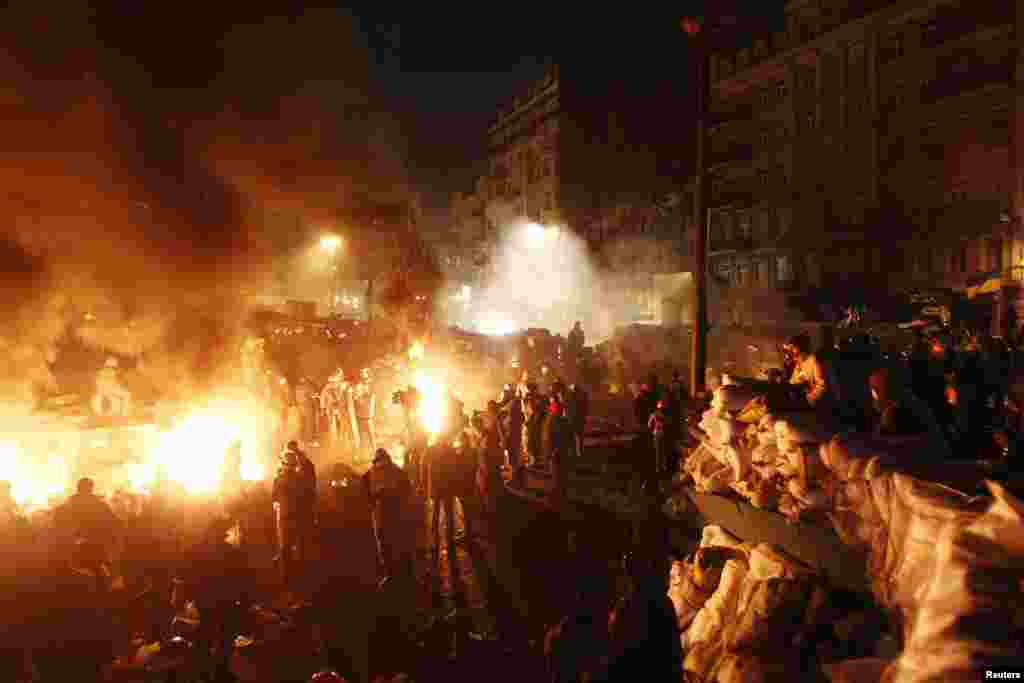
{"x":815,"y":545}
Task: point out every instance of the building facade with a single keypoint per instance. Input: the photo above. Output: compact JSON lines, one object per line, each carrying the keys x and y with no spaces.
{"x":567,"y":152}
{"x":868,"y":144}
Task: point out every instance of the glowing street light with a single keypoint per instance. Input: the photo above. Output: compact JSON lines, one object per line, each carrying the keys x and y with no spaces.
{"x":330,"y":243}
{"x":536,"y":235}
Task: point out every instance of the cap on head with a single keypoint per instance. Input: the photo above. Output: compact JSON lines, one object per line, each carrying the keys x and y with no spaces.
{"x":293,"y":446}
{"x":86,"y":485}
{"x":381,"y":456}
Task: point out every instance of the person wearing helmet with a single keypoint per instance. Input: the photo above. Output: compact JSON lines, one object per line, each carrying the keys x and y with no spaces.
{"x":295,"y":499}
{"x":389,"y":493}
{"x":657,"y":423}
{"x":363,"y":406}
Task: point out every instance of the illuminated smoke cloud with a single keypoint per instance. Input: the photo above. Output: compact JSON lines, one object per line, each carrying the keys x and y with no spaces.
{"x":129,"y":191}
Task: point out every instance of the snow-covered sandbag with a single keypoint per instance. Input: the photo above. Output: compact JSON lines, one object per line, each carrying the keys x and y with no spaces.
{"x":764,"y":454}
{"x":803,"y":462}
{"x":716,"y":481}
{"x":700,"y":581}
{"x":714,"y":535}
{"x":862,"y":670}
{"x":734,"y":397}
{"x":968,"y":616}
{"x":739,"y":460}
{"x":706,"y":636}
{"x":761,"y":492}
{"x":801,"y":428}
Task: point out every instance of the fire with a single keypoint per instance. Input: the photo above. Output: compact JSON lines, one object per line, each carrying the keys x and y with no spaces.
{"x":496,"y":324}
{"x":433,"y":402}
{"x":416,"y":351}
{"x":33,"y":483}
{"x":194,"y":452}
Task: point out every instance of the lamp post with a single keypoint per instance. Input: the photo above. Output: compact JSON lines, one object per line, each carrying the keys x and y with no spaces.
{"x":698,"y":349}
{"x":330,"y":244}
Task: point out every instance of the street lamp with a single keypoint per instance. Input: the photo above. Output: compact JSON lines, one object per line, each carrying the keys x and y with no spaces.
{"x":331,"y":244}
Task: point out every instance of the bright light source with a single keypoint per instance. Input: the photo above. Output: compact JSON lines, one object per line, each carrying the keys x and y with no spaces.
{"x":467,"y":292}
{"x":330,"y":243}
{"x":495,"y":324}
{"x":536,"y":235}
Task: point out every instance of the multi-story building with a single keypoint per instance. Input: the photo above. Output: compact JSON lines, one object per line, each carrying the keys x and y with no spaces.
{"x":868,"y":144}
{"x":596,"y":160}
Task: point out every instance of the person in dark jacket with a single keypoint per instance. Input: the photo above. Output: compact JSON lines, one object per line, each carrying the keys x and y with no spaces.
{"x":578,"y":409}
{"x":389,"y":493}
{"x":512,"y":429}
{"x":556,"y":438}
{"x":87,"y":516}
{"x":295,"y":502}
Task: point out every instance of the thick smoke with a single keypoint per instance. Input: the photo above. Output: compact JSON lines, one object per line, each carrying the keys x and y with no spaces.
{"x":543,"y":277}
{"x":141,"y":156}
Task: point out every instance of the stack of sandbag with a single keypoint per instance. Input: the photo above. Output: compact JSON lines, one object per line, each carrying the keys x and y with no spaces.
{"x":745,"y":630}
{"x":798,"y":463}
{"x":709,"y":474}
{"x":946,"y":565}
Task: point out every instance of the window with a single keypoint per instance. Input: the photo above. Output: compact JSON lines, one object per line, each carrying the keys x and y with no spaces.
{"x":810,"y":122}
{"x":762,"y":178}
{"x":783,"y":90}
{"x":744,"y":225}
{"x":765,"y":138}
{"x":765,"y":99}
{"x":783,"y":269}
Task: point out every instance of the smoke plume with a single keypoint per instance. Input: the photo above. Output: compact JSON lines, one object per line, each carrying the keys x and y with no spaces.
{"x":142,"y":151}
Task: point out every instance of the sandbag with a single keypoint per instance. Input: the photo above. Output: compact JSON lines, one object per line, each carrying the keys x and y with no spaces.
{"x":747,"y":667}
{"x":969,"y":615}
{"x":739,"y":460}
{"x":733,"y":397}
{"x":759,"y":489}
{"x":801,"y":428}
{"x":701,"y":580}
{"x":709,"y":474}
{"x":713,"y":535}
{"x":705,"y":636}
{"x":863,"y":670}
{"x":765,"y":454}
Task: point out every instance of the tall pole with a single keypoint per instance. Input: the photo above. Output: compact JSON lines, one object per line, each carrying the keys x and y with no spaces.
{"x":698,"y":349}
